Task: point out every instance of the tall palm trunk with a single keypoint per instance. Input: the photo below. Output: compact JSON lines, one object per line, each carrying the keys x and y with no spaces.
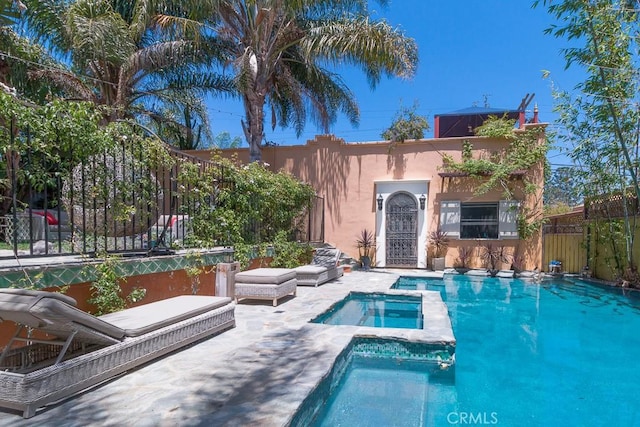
{"x":254,"y":128}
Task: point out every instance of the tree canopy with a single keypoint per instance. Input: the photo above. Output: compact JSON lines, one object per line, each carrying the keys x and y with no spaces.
{"x":134,"y":57}
{"x":600,"y":118}
{"x":284,"y":55}
{"x":407,"y":124}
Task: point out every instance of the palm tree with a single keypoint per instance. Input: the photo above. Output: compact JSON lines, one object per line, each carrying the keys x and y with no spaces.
{"x":138,"y":58}
{"x":17,"y":52}
{"x":183,"y":130}
{"x":281,"y":51}
{"x":9,"y":12}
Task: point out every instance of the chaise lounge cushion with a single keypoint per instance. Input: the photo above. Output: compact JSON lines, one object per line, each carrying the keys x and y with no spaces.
{"x":268,"y":276}
{"x":327,"y":257}
{"x":55,"y":314}
{"x":94,"y":350}
{"x":323,"y":268}
{"x":310,"y":269}
{"x":143,"y":319}
{"x":41,"y":294}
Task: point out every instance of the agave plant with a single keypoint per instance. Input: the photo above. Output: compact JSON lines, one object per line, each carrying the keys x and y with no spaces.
{"x":366,"y":242}
{"x":493,"y":256}
{"x":464,"y":256}
{"x":439,"y":240}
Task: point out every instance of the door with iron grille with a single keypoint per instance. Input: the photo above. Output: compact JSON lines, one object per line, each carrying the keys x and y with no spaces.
{"x":401,"y":231}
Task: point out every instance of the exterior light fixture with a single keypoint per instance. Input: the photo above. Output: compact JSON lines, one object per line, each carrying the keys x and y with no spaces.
{"x":379,"y":200}
{"x":422,"y":200}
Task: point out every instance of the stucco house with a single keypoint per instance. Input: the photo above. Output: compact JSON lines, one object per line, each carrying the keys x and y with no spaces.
{"x":402,"y":192}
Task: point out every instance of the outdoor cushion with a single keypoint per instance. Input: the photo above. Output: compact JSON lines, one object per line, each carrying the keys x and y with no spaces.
{"x":53,"y":313}
{"x":93,"y":351}
{"x":269,"y":276}
{"x":143,"y":319}
{"x":51,"y":218}
{"x":312,"y":275}
{"x":327,"y":257}
{"x":310,"y":269}
{"x":42,"y":294}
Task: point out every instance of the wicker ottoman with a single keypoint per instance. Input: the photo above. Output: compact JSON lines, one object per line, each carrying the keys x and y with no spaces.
{"x":311,"y":275}
{"x":266,"y":283}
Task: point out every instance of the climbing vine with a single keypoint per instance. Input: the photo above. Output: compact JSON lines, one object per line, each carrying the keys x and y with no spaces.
{"x":495,"y":169}
{"x":106,"y":293}
{"x":195,"y":267}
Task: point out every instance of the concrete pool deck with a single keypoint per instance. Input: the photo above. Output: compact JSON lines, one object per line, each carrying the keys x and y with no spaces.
{"x":256,"y":374}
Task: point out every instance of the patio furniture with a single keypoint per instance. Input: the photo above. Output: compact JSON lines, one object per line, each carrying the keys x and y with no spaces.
{"x":311,"y":275}
{"x":68,"y":350}
{"x":58,"y":225}
{"x":555,"y":266}
{"x":323,"y":268}
{"x":24,"y":228}
{"x":177,"y":226}
{"x":266,"y":283}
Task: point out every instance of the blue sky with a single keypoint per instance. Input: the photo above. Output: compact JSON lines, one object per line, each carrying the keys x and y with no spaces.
{"x":470,"y":51}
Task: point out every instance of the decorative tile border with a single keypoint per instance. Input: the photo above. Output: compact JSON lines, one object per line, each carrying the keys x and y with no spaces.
{"x":408,"y":350}
{"x":84,"y":270}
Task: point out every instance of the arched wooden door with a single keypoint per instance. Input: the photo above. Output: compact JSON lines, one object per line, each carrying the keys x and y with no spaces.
{"x":401,"y":231}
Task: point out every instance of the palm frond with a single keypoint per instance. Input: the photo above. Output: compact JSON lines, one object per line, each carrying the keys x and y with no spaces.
{"x":182,"y":121}
{"x":68,"y":82}
{"x":331,"y":9}
{"x":375,"y":46}
{"x":44,"y":22}
{"x":96,"y":31}
{"x":158,"y":56}
{"x":306,"y":89}
{"x":204,"y":82}
{"x":9,"y":12}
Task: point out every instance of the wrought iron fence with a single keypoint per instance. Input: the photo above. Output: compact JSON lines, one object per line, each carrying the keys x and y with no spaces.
{"x":122,"y":199}
{"x":126,"y":199}
{"x":310,"y":226}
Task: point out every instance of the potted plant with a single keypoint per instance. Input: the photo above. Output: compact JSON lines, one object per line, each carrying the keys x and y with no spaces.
{"x":366,"y":243}
{"x":493,"y":257}
{"x":439,"y":241}
{"x":517,"y":262}
{"x":464,"y":257}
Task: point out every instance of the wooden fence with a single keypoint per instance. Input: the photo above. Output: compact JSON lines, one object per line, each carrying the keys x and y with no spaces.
{"x":566,"y":248}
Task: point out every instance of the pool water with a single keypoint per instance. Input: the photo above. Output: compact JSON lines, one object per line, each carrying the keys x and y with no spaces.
{"x":389,"y":392}
{"x":376,"y":310}
{"x":551,"y":354}
{"x":411,"y":283}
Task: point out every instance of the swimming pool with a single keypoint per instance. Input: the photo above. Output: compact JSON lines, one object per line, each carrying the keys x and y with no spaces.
{"x":376,"y":310}
{"x":556,"y":353}
{"x":373,"y":390}
{"x":382,"y":382}
{"x":411,"y":283}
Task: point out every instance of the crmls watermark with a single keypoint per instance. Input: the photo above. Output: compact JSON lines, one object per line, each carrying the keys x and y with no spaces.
{"x":472,"y":418}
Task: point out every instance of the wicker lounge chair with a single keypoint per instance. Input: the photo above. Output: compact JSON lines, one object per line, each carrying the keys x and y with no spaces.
{"x":323,"y":268}
{"x":88,"y":350}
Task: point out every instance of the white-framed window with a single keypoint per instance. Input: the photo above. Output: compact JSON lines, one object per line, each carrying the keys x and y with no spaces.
{"x":485,"y":220}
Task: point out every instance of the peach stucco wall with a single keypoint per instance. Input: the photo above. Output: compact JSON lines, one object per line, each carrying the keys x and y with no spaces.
{"x":351,"y":175}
